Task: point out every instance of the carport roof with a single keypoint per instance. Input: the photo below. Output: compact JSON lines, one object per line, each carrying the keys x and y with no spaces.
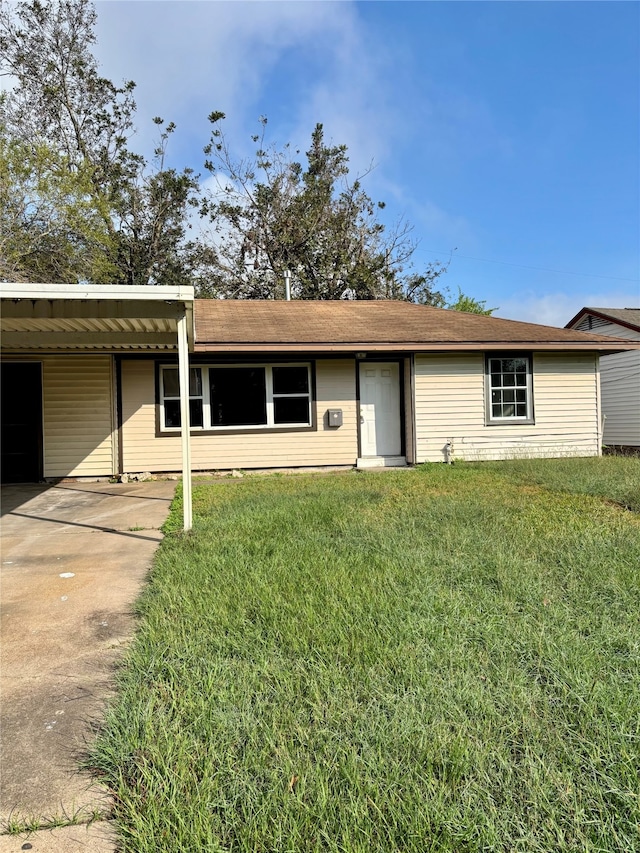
{"x":99,"y":318}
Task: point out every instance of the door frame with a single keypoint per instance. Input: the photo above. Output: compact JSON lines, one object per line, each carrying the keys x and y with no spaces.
{"x":6,"y":362}
{"x":400,"y":361}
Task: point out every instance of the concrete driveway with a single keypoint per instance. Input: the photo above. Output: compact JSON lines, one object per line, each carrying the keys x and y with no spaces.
{"x":74,"y":557}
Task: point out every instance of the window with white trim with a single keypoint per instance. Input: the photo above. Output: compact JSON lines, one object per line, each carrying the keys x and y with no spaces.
{"x":509,"y":389}
{"x":171,"y":398}
{"x":239,"y":396}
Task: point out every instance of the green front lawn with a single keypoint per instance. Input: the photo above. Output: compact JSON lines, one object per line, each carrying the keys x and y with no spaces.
{"x":441,"y":659}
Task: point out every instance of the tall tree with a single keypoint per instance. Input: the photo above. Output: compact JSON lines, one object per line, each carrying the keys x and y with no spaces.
{"x":273,"y":214}
{"x":49,"y":228}
{"x":59,"y":100}
{"x":77,"y":203}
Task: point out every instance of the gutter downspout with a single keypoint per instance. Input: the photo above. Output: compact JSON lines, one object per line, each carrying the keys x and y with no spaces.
{"x":185,"y":432}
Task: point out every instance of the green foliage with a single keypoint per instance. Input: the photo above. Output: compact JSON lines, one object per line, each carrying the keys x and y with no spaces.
{"x":469,"y":305}
{"x":386,"y":661}
{"x":50,"y":229}
{"x":96,"y":207}
{"x":274,"y":214}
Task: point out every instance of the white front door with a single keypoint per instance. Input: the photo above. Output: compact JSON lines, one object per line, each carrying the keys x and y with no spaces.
{"x":380,"y":409}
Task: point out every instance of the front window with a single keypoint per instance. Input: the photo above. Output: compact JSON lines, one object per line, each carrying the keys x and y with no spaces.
{"x":239,"y":396}
{"x":290,"y":394}
{"x":171,"y":398}
{"x":509,"y":389}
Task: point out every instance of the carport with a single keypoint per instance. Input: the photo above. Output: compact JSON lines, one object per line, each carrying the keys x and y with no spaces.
{"x":45,"y":320}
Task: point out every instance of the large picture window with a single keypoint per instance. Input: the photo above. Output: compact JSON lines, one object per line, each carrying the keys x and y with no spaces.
{"x":238,"y":396}
{"x":223,"y":397}
{"x":509,"y":389}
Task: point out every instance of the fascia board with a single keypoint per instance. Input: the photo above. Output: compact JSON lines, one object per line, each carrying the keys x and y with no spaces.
{"x":109,"y":292}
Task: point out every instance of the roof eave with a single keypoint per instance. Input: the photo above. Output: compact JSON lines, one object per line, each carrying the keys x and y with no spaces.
{"x":416,"y":346}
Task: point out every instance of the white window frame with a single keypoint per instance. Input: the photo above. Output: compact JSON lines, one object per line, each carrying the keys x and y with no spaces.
{"x":528,"y":418}
{"x":270,"y":397}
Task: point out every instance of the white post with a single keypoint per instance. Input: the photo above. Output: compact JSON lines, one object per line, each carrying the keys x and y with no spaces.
{"x":185,"y":432}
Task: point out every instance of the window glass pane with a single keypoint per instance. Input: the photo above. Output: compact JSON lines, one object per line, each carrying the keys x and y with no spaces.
{"x":195,"y":382}
{"x":171,"y":384}
{"x":291,"y":410}
{"x":290,"y":380}
{"x":508,"y":383}
{"x":195,"y":413}
{"x":172,"y":413}
{"x":238,"y":396}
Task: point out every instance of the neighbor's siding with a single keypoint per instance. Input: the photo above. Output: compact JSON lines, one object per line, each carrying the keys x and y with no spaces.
{"x":450,"y":406}
{"x":620,"y":383}
{"x":144,"y":451}
{"x":606,"y":327}
{"x":79,"y":439}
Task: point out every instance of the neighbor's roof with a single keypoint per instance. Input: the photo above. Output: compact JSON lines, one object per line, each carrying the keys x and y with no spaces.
{"x":629,"y":317}
{"x":381,"y":325}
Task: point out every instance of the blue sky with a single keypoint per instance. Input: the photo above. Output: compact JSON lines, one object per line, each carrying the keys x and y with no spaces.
{"x":506,"y":131}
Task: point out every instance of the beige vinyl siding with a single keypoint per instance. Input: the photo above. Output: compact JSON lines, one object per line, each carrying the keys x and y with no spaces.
{"x":144,"y":451}
{"x":450,"y":407}
{"x":78,"y":416}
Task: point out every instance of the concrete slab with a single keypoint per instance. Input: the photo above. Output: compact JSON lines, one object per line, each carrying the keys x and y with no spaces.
{"x":97,"y":837}
{"x":74,"y":557}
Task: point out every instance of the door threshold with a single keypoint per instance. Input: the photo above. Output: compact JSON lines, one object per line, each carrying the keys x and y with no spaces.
{"x":381,"y":462}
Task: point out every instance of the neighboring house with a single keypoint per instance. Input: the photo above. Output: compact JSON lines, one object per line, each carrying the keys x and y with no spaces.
{"x":91,"y":385}
{"x":619,"y":372}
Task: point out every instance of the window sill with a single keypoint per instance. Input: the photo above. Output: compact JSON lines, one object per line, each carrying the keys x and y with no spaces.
{"x":238,"y":430}
{"x":505,"y":422}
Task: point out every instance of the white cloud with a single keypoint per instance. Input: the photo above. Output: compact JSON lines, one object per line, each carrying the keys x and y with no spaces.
{"x":298,"y":62}
{"x":557,"y":308}
{"x":189,"y":58}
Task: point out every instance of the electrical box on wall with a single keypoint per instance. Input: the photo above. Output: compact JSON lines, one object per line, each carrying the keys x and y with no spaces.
{"x":334,"y":417}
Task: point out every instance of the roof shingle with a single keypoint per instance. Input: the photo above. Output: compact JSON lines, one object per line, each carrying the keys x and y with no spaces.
{"x":383,"y":325}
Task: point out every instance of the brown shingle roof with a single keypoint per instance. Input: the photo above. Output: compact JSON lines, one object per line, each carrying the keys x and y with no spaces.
{"x":347,"y":326}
